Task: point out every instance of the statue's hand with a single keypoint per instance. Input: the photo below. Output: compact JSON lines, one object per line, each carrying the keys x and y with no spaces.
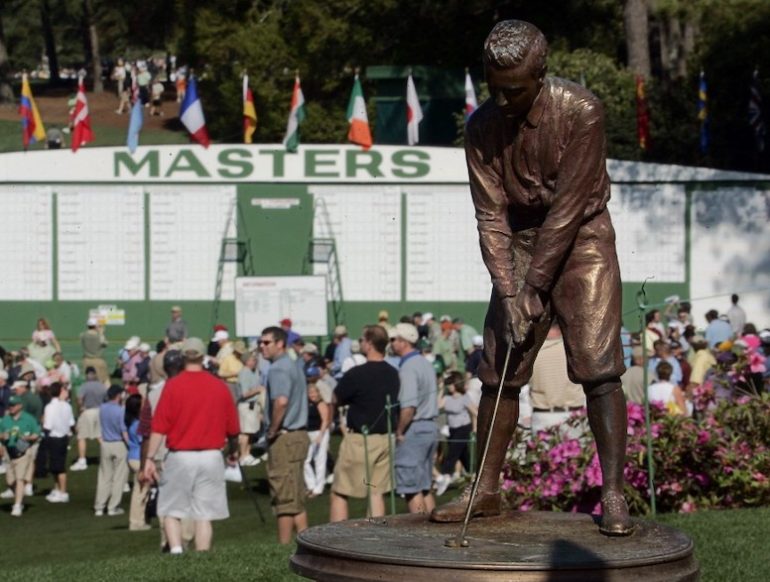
{"x":521,"y":313}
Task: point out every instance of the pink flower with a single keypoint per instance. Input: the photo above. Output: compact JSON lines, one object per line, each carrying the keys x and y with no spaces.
{"x":687,"y":507}
{"x":703,"y":437}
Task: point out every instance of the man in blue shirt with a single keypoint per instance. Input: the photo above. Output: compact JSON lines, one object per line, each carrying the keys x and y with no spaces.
{"x":717,"y":330}
{"x":663,"y":354}
{"x":342,"y":350}
{"x":113,"y":456}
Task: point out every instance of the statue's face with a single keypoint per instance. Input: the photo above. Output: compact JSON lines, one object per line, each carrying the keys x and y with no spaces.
{"x":513,"y":90}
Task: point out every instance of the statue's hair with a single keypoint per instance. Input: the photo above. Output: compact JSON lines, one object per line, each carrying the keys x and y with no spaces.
{"x":513,"y":42}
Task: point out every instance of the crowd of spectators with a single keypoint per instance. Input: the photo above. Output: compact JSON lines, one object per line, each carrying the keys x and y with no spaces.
{"x":403,"y":395}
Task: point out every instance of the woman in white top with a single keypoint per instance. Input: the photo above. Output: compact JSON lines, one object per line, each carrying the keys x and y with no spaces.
{"x":663,"y":391}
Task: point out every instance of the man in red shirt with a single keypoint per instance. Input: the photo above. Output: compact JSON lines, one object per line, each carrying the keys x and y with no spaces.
{"x":196,"y":414}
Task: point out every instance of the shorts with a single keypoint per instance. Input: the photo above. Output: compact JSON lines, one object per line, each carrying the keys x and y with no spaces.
{"x":285,"y":472}
{"x":21,"y":467}
{"x":414,"y":457}
{"x":192,"y":485}
{"x":88,"y":426}
{"x":248,"y":414}
{"x":585,"y":300}
{"x":57,"y":454}
{"x":350,"y":478}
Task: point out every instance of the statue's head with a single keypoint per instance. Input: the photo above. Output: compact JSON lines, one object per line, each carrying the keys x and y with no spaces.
{"x":515,"y":55}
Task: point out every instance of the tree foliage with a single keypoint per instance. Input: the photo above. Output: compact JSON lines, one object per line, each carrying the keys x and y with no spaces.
{"x":326,"y":41}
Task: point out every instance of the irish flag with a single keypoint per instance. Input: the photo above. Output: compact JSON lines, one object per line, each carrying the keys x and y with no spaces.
{"x":359,"y":122}
{"x":296,"y":115}
{"x":32,"y":129}
{"x":413,"y":113}
{"x":249,"y":112}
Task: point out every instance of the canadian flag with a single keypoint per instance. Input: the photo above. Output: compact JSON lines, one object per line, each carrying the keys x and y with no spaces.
{"x":413,"y":113}
{"x":81,"y":120}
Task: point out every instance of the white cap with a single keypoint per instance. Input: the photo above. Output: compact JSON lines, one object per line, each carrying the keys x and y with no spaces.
{"x":477,"y":341}
{"x":133,"y":342}
{"x":144,"y":347}
{"x":407,"y":332}
{"x":220,"y":336}
{"x":427,"y":316}
{"x":92,"y":322}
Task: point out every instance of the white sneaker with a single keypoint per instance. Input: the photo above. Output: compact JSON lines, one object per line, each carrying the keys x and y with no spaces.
{"x":79,"y":465}
{"x":63,"y":498}
{"x":116,"y":511}
{"x":126,"y":488}
{"x":98,"y":512}
{"x":249,"y":461}
{"x":442,"y":484}
{"x":17,"y":509}
{"x":8,"y":494}
{"x":329,"y":479}
{"x":28,"y":491}
{"x":56,"y":496}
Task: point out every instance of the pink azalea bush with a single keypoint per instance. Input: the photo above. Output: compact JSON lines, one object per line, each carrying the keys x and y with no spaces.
{"x":719,"y":460}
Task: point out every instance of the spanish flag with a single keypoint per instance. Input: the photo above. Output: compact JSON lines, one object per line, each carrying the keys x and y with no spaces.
{"x":32,"y":129}
{"x":249,"y":112}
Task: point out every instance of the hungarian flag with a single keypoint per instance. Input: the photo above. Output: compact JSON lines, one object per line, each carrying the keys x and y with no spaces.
{"x":413,"y":113}
{"x":359,"y":121}
{"x":191,"y":114}
{"x":81,"y":120}
{"x":249,"y":112}
{"x":32,"y":129}
{"x":470,"y":96}
{"x":296,"y":116}
{"x":642,"y":115}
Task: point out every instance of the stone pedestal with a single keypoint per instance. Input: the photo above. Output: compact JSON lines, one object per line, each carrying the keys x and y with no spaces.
{"x":516,"y":547}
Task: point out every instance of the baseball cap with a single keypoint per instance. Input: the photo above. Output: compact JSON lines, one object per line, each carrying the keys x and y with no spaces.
{"x":92,"y":322}
{"x":382,"y":315}
{"x":340,"y":330}
{"x":444,"y":318}
{"x":407,"y":332}
{"x":19,"y":384}
{"x":133,"y":342}
{"x":220,"y":327}
{"x":477,"y":341}
{"x":26,"y":368}
{"x":14,"y":400}
{"x":193,"y":346}
{"x":764,"y":335}
{"x":427,"y":316}
{"x":286,"y":321}
{"x":310,"y":348}
{"x":219,"y":336}
{"x":144,"y":347}
{"x":239,"y":347}
{"x":176,"y":308}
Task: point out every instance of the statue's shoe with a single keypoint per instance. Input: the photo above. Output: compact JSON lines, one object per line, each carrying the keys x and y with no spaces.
{"x":615,"y":518}
{"x":484,"y":505}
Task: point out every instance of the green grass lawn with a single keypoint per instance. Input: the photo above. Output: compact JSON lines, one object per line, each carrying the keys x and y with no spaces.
{"x":66,"y":542}
{"x":10,"y":137}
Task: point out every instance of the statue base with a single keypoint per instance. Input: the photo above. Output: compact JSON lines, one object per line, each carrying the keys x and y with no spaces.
{"x":515,"y":546}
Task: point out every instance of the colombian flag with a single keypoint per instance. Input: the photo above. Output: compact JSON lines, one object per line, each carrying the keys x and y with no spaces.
{"x":32,"y":129}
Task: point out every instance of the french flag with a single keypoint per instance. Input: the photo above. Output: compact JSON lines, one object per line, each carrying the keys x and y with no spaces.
{"x":191,"y":114}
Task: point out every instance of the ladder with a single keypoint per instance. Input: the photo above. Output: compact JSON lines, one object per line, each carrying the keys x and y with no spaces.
{"x":231,"y":250}
{"x":322,"y":250}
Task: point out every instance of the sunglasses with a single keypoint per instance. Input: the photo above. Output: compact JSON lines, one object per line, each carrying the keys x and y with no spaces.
{"x":265,"y":342}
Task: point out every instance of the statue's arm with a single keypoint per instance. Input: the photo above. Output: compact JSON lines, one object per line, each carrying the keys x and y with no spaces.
{"x":491,"y":204}
{"x":582,"y":172}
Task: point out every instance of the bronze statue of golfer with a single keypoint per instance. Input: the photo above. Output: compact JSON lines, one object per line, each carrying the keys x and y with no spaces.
{"x":536,"y":159}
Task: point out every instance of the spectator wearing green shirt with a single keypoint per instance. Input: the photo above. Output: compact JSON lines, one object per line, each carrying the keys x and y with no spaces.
{"x":19,"y":431}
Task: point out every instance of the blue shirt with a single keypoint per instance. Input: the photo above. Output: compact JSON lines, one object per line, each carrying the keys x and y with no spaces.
{"x":285,"y":379}
{"x":342,"y":351}
{"x":676,"y":373}
{"x":134,"y":442}
{"x":112,"y":419}
{"x":718,"y":331}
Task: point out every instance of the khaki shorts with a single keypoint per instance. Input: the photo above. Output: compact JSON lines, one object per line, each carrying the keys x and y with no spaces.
{"x":350,"y":472}
{"x":192,"y":485}
{"x":249,"y":417}
{"x":285,"y":466}
{"x":88,"y":426}
{"x":22,"y":467}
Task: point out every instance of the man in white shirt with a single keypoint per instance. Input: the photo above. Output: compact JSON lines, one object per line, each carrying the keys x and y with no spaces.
{"x":58,"y":421}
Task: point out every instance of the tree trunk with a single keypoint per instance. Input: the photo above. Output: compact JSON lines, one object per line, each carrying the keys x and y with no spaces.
{"x":6,"y":93}
{"x":637,"y":36}
{"x":50,"y":42}
{"x":93,"y":38}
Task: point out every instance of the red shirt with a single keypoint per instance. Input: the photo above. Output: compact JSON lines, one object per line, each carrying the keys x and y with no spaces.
{"x":195,"y":412}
